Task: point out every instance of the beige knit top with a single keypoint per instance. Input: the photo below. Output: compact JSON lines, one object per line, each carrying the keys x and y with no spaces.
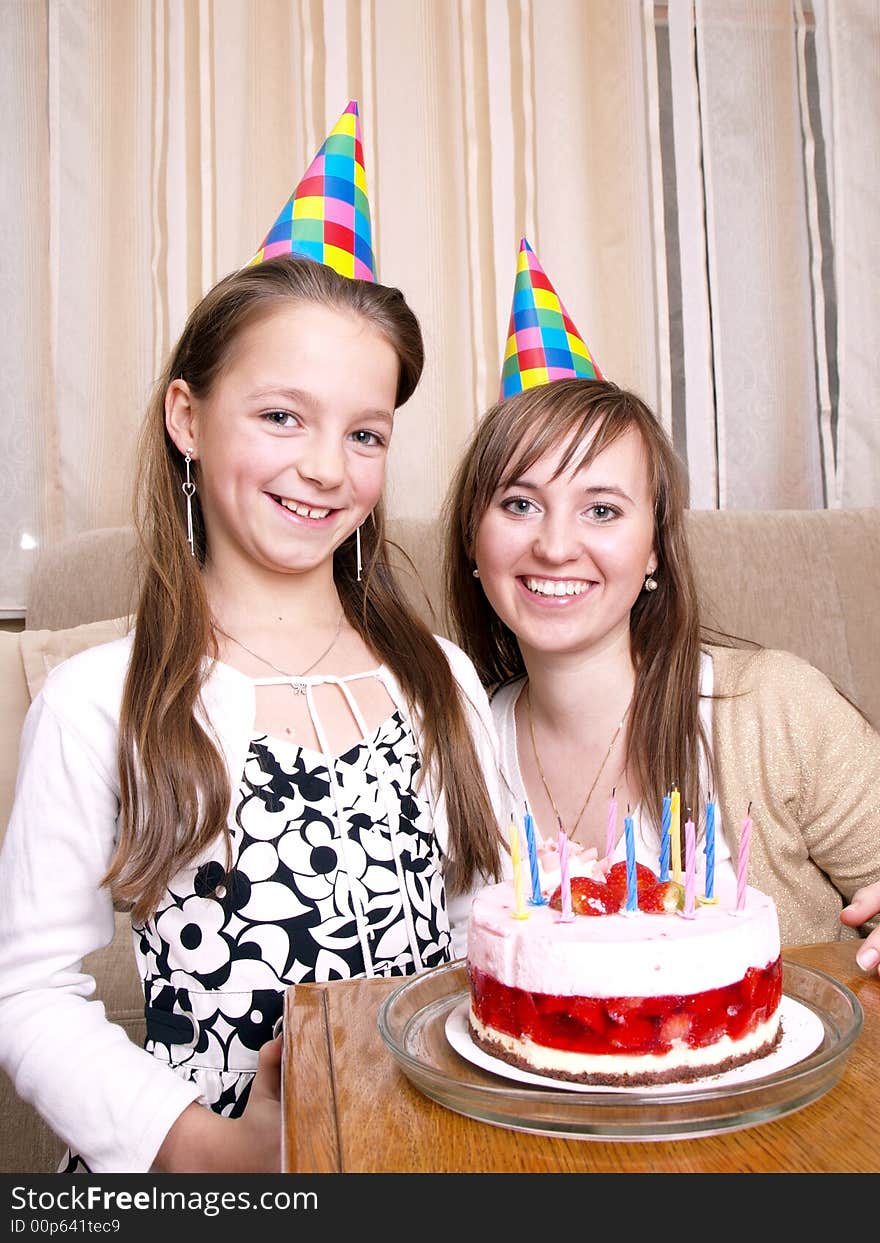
{"x":786,"y":741}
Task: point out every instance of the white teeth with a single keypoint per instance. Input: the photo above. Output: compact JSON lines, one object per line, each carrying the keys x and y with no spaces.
{"x":556,"y":587}
{"x":304,"y":511}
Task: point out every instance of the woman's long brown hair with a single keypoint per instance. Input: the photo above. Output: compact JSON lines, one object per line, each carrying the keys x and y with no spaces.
{"x":665,"y":735}
{"x":175,"y":787}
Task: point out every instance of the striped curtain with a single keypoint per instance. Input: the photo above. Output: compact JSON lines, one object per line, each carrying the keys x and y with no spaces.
{"x":698,"y":179}
{"x":769,"y":131}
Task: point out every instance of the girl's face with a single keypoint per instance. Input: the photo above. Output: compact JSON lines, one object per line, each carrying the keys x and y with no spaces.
{"x":291,"y":443}
{"x":563,"y":560}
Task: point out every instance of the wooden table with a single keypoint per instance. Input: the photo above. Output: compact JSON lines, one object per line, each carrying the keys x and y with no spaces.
{"x":348,"y":1108}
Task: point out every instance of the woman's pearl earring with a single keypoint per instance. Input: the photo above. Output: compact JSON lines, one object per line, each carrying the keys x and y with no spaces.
{"x":475,"y":572}
{"x":650,"y":582}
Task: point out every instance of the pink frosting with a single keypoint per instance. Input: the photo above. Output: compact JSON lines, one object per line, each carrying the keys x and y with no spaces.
{"x":614,"y":955}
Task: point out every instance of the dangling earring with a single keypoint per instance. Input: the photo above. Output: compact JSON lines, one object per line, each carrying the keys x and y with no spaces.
{"x":475,"y":572}
{"x":188,"y":491}
{"x":357,"y":548}
{"x":650,"y":582}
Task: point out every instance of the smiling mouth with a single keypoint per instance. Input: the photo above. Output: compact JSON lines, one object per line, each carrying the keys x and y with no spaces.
{"x":555,"y":586}
{"x":301,"y":509}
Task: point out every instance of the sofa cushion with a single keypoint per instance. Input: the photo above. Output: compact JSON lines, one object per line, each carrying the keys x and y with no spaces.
{"x":82,"y":578}
{"x":807,"y":581}
{"x":42,"y":650}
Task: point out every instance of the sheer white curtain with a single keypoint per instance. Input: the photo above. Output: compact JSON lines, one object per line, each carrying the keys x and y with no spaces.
{"x":653,"y":154}
{"x":850,"y":52}
{"x":771,"y":144}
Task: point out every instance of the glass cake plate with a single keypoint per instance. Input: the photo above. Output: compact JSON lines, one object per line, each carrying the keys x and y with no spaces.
{"x":413,"y":1023}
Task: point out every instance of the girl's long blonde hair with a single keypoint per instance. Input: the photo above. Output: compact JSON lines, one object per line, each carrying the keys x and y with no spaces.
{"x":665,"y":735}
{"x":175,"y":787}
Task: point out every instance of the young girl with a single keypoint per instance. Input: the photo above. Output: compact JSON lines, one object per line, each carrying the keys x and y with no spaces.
{"x":570,"y":586}
{"x":280,"y":772}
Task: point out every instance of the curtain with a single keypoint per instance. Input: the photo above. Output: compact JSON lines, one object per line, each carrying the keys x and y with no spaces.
{"x":654,"y":155}
{"x":851,"y":54}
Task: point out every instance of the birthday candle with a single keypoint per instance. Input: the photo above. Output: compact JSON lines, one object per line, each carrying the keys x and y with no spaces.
{"x":742,"y":867}
{"x":537,"y":898}
{"x":675,"y":815}
{"x":611,"y":830}
{"x":519,"y":910}
{"x":564,"y":878}
{"x":709,"y":850}
{"x":664,"y":838}
{"x":690,"y":866}
{"x":632,"y":893}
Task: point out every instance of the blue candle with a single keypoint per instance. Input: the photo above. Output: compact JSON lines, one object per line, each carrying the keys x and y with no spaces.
{"x":632,"y":893}
{"x":537,"y":898}
{"x":664,"y":839}
{"x":709,"y":850}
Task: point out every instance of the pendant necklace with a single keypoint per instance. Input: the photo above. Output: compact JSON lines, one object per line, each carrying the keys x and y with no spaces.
{"x":298,"y":688}
{"x":540,"y":767}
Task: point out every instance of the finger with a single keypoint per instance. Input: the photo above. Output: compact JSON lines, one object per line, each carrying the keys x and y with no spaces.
{"x":864,"y":903}
{"x":868,"y":956}
{"x":268,"y":1077}
{"x":271,"y":1050}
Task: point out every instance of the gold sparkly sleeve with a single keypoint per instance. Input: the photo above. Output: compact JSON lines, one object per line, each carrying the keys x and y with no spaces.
{"x":788,"y":744}
{"x":835,"y":796}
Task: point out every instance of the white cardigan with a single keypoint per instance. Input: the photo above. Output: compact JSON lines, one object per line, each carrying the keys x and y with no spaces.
{"x":111,"y":1101}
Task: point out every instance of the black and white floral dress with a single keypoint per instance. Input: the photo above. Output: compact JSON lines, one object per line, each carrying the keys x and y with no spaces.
{"x":336,"y":874}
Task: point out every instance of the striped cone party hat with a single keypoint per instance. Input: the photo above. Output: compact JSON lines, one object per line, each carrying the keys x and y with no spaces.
{"x":542,"y":342}
{"x":327,"y":218}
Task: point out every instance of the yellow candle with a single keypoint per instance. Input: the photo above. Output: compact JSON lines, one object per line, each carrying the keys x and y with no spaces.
{"x":675,"y":834}
{"x":519,"y":910}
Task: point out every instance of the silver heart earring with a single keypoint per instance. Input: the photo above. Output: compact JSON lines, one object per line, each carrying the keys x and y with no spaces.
{"x":189,"y":489}
{"x":357,"y":551}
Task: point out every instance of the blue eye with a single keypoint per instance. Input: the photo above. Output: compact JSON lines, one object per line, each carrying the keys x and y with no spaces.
{"x":602,"y":512}
{"x":367,"y":438}
{"x":278,"y":418}
{"x":518,"y":505}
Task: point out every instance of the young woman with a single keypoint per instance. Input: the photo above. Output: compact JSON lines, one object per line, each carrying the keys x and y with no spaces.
{"x":570,"y":586}
{"x":281,"y":773}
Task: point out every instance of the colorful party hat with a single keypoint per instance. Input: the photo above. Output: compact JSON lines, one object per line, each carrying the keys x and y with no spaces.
{"x":542,"y":341}
{"x":327,"y":217}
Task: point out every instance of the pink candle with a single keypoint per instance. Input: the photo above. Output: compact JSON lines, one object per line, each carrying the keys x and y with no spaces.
{"x":742,"y":866}
{"x":690,"y":866}
{"x":564,"y":878}
{"x":611,"y":831}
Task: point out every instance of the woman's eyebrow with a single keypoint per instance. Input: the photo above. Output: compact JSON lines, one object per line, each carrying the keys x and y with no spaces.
{"x":597,"y":489}
{"x":593,"y":489}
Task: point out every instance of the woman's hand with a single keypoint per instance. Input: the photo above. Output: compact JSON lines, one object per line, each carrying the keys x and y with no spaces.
{"x":202,"y":1142}
{"x":865,"y":903}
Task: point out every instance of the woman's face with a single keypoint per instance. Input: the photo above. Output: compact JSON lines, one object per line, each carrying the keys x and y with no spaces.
{"x":563,"y":560}
{"x":291,"y":442}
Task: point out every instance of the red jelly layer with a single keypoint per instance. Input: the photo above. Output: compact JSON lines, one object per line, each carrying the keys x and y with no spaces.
{"x":629,"y":1024}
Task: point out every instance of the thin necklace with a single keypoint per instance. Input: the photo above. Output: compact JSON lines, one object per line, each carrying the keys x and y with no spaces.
{"x":298,"y":688}
{"x":595,"y":779}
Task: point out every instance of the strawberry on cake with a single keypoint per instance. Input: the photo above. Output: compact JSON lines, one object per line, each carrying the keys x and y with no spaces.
{"x":624,"y":998}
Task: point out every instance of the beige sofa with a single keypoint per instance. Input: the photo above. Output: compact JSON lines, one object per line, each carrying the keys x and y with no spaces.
{"x":805,"y":581}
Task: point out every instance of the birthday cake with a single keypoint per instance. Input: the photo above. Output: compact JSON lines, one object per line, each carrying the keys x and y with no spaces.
{"x":624,"y":998}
